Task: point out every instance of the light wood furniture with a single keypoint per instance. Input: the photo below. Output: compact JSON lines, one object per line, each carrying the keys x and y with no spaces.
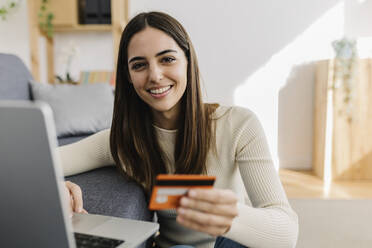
{"x":65,"y":12}
{"x":307,"y":185}
{"x":34,"y":39}
{"x":351,"y":143}
{"x":66,"y":20}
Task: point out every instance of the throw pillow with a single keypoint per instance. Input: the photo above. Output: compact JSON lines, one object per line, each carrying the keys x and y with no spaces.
{"x":77,"y":109}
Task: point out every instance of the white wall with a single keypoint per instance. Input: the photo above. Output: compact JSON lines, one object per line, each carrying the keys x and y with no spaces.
{"x":14,"y":35}
{"x":358,"y":18}
{"x":257,"y":54}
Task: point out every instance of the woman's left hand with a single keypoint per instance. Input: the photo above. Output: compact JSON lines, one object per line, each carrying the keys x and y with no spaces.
{"x":208,"y":210}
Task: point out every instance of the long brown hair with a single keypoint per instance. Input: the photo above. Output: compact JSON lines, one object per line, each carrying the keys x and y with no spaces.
{"x":133,"y":141}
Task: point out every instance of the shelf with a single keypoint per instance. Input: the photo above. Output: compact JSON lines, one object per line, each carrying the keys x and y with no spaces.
{"x":85,"y":27}
{"x":305,"y":184}
{"x":343,"y":120}
{"x":66,"y":20}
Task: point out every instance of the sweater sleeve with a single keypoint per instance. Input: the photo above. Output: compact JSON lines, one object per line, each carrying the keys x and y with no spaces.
{"x":87,"y":154}
{"x":270,"y":221}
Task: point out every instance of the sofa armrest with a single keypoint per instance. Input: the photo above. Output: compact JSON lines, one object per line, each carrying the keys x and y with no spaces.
{"x":106,"y":192}
{"x":14,"y":77}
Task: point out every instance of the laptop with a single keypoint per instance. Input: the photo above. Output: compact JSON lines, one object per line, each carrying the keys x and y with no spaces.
{"x":33,"y":212}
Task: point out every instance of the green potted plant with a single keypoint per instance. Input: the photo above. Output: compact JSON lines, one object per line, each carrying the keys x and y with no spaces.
{"x":8,"y":8}
{"x":45,"y":19}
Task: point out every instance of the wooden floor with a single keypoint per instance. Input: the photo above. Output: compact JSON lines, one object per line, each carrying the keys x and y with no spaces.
{"x":304,"y":184}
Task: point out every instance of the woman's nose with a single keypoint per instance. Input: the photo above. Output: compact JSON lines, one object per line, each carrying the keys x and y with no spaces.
{"x":156,"y":73}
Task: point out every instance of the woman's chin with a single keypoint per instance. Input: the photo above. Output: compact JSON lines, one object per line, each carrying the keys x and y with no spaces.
{"x":163,"y":108}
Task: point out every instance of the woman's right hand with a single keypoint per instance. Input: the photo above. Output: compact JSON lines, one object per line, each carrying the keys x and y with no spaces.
{"x":74,"y":197}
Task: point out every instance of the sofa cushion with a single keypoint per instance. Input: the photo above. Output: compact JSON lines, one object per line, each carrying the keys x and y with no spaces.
{"x":107,"y":192}
{"x":77,"y":109}
{"x":14,"y":77}
{"x":69,"y":140}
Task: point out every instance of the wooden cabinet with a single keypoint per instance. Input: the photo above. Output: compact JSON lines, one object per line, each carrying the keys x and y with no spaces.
{"x":343,"y":140}
{"x":66,"y":20}
{"x":65,"y":12}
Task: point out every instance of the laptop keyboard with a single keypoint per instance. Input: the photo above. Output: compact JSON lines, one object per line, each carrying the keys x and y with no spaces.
{"x":88,"y":241}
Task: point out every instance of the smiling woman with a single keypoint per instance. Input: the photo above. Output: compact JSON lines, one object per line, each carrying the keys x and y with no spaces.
{"x":161,"y":126}
{"x":158,"y":72}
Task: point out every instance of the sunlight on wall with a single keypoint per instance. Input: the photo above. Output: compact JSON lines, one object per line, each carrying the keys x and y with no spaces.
{"x":327,"y":176}
{"x":260,"y":92}
{"x":364,"y":47}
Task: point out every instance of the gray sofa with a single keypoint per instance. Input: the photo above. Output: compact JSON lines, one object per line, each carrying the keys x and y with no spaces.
{"x":105,"y":191}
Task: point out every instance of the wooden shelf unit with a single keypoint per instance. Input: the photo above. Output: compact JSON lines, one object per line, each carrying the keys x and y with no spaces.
{"x":85,"y":27}
{"x":350,"y":145}
{"x":307,"y":185}
{"x":66,"y":20}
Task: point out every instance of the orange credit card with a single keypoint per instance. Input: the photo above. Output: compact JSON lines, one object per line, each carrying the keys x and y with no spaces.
{"x":169,"y":189}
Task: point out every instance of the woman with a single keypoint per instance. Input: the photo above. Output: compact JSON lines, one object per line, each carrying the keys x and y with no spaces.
{"x":161,"y":125}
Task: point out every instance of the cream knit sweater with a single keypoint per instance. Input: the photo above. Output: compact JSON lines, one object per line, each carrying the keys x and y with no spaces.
{"x":242,"y":164}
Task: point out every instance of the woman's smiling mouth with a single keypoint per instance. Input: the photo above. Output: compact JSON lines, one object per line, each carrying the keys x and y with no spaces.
{"x":160,"y":92}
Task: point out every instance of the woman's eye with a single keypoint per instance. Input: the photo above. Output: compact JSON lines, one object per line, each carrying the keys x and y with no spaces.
{"x":168,"y":59}
{"x":137,"y":66}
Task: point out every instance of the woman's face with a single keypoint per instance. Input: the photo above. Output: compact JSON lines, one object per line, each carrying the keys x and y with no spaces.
{"x":158,"y":70}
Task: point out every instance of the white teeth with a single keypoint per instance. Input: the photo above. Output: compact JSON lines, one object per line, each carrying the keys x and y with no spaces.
{"x":161,"y":90}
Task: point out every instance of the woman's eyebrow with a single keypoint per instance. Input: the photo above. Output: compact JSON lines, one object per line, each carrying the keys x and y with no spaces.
{"x":158,"y":54}
{"x":135,"y":59}
{"x":165,"y":51}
